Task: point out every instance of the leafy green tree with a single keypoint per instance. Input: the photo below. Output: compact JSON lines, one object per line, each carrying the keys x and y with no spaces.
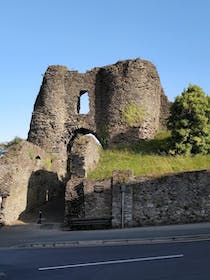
{"x":189,"y":122}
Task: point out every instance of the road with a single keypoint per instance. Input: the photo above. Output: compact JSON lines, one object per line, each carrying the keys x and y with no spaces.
{"x":170,"y":261}
{"x":29,"y":234}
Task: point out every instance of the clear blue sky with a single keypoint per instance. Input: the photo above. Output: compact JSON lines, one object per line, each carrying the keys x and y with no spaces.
{"x":82,"y":34}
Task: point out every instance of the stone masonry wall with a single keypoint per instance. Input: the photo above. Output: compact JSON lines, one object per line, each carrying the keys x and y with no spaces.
{"x":97,"y":195}
{"x":87,"y":199}
{"x":84,"y":156}
{"x":173,"y":199}
{"x":128,"y":86}
{"x":164,"y":112}
{"x":26,"y":174}
{"x":118,"y":94}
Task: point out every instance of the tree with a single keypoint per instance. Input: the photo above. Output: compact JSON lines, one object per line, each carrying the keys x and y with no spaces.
{"x":189,"y":122}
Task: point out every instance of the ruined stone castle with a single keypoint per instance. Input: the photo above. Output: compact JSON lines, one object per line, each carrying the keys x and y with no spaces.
{"x":126,"y":104}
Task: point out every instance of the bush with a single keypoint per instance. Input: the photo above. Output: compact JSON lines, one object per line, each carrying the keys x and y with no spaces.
{"x":189,"y":122}
{"x":14,"y":142}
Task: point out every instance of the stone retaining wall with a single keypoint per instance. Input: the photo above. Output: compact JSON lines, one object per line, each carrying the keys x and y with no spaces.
{"x":88,"y":199}
{"x":170,"y":199}
{"x":173,"y":199}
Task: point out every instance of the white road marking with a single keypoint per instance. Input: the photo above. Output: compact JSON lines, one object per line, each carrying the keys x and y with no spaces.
{"x":111,"y":262}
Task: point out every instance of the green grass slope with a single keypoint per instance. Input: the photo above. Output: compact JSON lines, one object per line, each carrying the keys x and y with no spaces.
{"x":146,"y":158}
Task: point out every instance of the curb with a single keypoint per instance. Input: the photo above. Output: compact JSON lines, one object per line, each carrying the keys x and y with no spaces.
{"x":114,"y":242}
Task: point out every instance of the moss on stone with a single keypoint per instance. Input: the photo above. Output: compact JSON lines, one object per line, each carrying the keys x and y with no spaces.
{"x":133,"y":114}
{"x":48,"y":164}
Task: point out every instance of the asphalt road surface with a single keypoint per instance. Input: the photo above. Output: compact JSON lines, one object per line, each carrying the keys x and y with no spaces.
{"x":170,"y":261}
{"x":24,"y":235}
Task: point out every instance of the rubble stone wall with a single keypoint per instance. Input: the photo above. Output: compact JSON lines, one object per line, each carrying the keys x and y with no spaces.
{"x":88,"y":199}
{"x":26,"y":174}
{"x":172,"y":199}
{"x":84,"y":155}
{"x":125,"y":101}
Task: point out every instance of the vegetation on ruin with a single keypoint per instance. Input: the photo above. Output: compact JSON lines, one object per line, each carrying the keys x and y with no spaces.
{"x":10,"y":147}
{"x":48,"y":163}
{"x":184,"y":147}
{"x":147,"y":158}
{"x":133,"y":114}
{"x":10,"y":150}
{"x":12,"y":144}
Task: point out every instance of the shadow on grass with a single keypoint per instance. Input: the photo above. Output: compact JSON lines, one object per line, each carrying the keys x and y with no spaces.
{"x":157,"y":146}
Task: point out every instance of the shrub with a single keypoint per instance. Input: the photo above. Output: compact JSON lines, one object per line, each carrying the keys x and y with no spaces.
{"x":189,"y":122}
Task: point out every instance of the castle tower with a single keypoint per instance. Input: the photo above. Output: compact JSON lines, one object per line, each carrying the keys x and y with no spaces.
{"x":125,"y":105}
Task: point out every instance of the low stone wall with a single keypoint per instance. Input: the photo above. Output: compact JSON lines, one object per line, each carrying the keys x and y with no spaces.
{"x":97,"y":198}
{"x":88,"y":199}
{"x":173,"y":199}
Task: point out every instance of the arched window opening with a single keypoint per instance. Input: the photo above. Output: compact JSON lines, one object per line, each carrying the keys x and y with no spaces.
{"x":83,"y":106}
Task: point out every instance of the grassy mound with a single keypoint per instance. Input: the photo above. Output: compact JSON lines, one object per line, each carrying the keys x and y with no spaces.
{"x":146,"y":158}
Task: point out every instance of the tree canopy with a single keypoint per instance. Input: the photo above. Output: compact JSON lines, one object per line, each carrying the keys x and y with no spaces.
{"x":189,"y":122}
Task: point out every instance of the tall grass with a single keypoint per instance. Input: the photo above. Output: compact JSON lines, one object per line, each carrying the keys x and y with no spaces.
{"x":146,"y":158}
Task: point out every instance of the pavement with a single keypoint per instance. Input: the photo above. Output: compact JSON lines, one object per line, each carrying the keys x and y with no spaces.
{"x":34,"y":235}
{"x":183,"y":261}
